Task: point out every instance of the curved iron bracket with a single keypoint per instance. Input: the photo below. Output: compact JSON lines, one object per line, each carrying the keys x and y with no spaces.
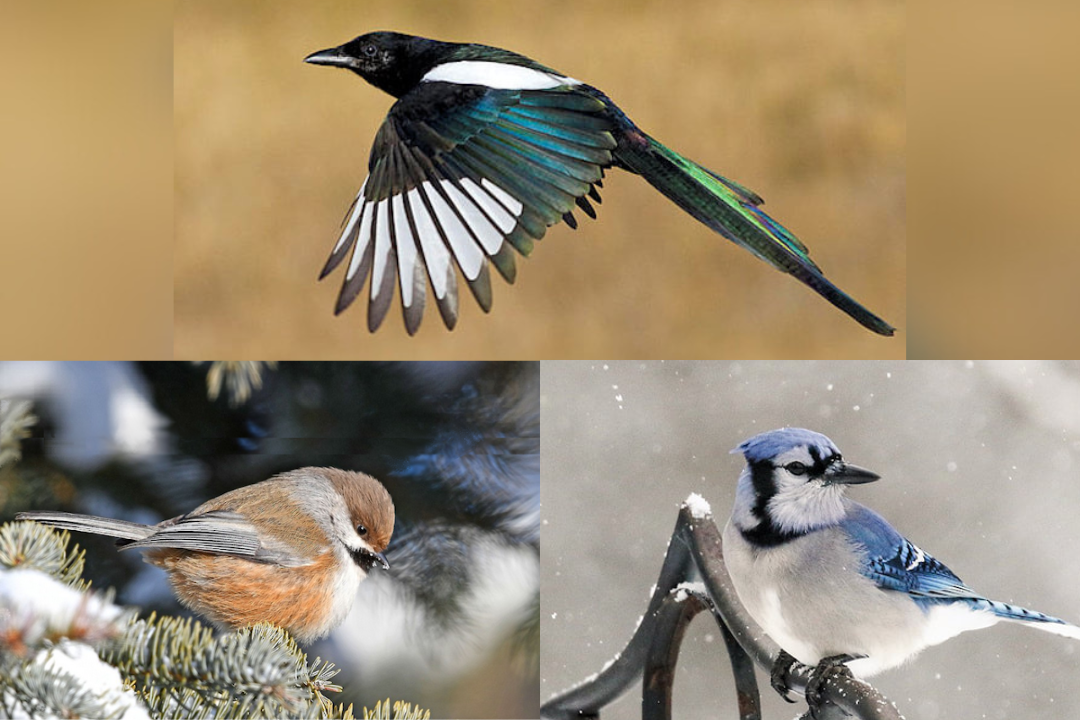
{"x":693,"y":579}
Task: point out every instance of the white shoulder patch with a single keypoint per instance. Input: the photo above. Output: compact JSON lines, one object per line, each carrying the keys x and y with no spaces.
{"x":496,"y":75}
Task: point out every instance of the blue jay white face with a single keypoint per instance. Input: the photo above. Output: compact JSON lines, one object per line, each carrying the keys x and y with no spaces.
{"x":793,"y":482}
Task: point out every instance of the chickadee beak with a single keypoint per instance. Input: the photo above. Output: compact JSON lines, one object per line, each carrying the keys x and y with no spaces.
{"x":367,"y":559}
{"x":848,"y":474}
{"x":331,"y":56}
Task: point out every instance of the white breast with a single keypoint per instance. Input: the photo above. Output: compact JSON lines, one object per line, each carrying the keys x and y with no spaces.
{"x":810,"y":598}
{"x":346,"y":584}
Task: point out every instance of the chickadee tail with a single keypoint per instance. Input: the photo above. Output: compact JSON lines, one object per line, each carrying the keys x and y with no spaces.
{"x":1033,"y":619}
{"x":90,"y":524}
{"x":733,"y":211}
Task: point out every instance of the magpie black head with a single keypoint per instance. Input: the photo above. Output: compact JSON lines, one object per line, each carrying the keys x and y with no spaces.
{"x":390,"y":61}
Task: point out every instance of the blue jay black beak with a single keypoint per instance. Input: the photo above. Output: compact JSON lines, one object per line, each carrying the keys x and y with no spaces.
{"x":848,"y":474}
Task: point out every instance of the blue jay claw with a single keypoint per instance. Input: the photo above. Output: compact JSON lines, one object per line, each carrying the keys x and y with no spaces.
{"x":777,"y":678}
{"x":826,"y":669}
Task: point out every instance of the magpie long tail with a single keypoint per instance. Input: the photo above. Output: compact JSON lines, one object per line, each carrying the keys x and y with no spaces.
{"x":1031,"y":618}
{"x":732,"y":210}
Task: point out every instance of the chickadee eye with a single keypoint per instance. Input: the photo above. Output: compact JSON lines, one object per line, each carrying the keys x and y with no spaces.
{"x":361,"y":530}
{"x":370,"y":50}
{"x":795,"y":468}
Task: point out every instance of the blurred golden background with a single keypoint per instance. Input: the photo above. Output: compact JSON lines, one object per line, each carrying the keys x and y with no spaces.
{"x":86,"y":180}
{"x":803,"y":102}
{"x":995,"y":172}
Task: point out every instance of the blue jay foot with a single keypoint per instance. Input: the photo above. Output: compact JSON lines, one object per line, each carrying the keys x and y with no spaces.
{"x":826,"y":669}
{"x":781,"y":667}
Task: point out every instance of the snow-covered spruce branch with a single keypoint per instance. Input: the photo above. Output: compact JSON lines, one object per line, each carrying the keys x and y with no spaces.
{"x":182,"y":669}
{"x":68,"y":652}
{"x":15,"y":422}
{"x":51,"y":629}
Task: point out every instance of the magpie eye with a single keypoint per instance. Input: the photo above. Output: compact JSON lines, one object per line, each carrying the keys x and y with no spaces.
{"x":370,"y":51}
{"x":795,"y":468}
{"x":361,"y":530}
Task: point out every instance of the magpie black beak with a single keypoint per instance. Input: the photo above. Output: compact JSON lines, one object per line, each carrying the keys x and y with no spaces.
{"x":848,"y":474}
{"x":331,"y":56}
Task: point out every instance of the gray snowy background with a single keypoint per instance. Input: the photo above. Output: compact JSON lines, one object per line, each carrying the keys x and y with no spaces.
{"x":980,"y":465}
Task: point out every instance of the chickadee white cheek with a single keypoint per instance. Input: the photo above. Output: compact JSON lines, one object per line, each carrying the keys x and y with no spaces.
{"x":346,"y":583}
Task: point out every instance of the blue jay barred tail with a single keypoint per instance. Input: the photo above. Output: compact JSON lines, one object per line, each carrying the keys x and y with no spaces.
{"x":1031,"y":618}
{"x":732,"y":210}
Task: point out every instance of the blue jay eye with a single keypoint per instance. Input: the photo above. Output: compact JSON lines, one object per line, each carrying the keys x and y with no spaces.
{"x":795,"y":468}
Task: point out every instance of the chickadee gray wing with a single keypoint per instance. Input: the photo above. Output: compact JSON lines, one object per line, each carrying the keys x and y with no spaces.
{"x":220,"y":532}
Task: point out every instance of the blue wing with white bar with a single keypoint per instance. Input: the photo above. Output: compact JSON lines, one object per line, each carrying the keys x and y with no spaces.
{"x":895,"y":563}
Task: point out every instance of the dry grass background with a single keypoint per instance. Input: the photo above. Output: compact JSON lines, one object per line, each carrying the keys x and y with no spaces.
{"x":803,"y":102}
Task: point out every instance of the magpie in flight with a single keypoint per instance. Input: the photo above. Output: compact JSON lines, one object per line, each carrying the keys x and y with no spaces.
{"x":484,"y":150}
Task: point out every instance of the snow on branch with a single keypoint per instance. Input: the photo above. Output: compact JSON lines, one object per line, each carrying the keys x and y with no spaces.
{"x":68,"y":652}
{"x":694,"y":579}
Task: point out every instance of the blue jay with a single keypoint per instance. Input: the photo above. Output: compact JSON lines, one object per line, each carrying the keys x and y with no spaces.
{"x":829,"y":579}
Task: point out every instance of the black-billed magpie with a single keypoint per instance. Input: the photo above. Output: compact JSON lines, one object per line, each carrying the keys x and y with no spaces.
{"x":484,"y":150}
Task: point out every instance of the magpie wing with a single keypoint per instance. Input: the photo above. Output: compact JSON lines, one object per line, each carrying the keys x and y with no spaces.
{"x":459,"y":175}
